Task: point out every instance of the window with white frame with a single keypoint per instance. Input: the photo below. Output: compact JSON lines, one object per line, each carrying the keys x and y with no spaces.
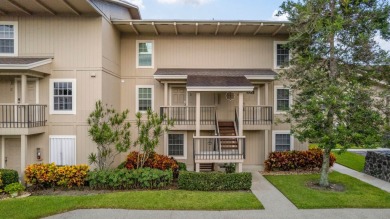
{"x":177,"y":145}
{"x":282,"y":99}
{"x":8,"y":38}
{"x":282,"y":54}
{"x":282,"y":141}
{"x":145,"y":54}
{"x":63,"y":96}
{"x":144,"y":97}
{"x":62,"y":150}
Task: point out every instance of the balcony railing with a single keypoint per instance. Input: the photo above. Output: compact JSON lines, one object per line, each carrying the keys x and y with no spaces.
{"x":219,"y":148}
{"x":186,"y":115}
{"x":22,"y":115}
{"x":257,"y":115}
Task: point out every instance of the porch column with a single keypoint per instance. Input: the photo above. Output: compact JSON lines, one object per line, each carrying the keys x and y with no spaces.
{"x":266,"y":146}
{"x":2,"y":152}
{"x":23,"y":149}
{"x":266,"y":94}
{"x":240,"y":114}
{"x":165,"y":94}
{"x":197,"y":127}
{"x":24,"y":89}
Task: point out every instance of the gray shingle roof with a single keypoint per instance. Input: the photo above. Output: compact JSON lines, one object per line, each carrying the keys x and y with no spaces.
{"x":217,"y":81}
{"x":19,"y":61}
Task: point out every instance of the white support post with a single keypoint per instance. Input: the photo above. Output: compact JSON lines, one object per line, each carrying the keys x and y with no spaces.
{"x":2,"y":152}
{"x":23,"y":149}
{"x":240,"y":114}
{"x":266,"y":94}
{"x":197,"y":115}
{"x":197,"y":167}
{"x":24,"y":89}
{"x":266,"y":146}
{"x":165,"y":94}
{"x":239,"y":167}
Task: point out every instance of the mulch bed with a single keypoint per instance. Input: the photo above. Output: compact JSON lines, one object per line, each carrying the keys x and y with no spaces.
{"x":332,"y":187}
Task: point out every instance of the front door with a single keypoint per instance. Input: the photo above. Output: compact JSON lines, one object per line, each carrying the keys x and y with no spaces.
{"x":12,"y":154}
{"x":179,"y":97}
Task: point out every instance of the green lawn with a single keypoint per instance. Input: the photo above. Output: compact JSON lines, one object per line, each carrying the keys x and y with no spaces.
{"x":41,"y":206}
{"x":357,"y":194}
{"x":350,"y":160}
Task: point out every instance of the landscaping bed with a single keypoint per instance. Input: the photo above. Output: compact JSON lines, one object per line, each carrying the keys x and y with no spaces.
{"x":354,"y":194}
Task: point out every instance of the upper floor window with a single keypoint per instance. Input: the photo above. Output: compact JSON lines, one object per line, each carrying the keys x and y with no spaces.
{"x":8,"y":38}
{"x":282,"y":99}
{"x":63,"y":96}
{"x":145,"y":54}
{"x":144,"y":98}
{"x":282,"y":54}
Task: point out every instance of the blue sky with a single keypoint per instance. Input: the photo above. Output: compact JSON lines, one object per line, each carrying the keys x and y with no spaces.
{"x":215,"y":9}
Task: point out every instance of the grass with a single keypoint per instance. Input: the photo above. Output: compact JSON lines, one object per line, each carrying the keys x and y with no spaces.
{"x":41,"y":206}
{"x":357,"y":194}
{"x":351,"y":160}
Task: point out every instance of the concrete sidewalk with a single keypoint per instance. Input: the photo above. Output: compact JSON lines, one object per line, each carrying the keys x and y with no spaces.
{"x":363,"y":177}
{"x":275,"y":203}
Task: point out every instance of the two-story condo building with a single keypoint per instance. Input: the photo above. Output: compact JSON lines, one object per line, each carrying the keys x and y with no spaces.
{"x":216,"y":79}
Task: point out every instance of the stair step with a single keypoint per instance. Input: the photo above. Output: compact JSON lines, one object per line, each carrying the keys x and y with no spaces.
{"x":206,"y":167}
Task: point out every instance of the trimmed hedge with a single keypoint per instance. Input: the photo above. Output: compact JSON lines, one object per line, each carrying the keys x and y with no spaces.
{"x":8,"y":177}
{"x":50,"y":175}
{"x":143,"y":178}
{"x":214,"y":181}
{"x":293,"y":160}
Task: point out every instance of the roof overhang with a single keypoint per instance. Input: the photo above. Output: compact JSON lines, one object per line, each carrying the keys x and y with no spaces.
{"x":220,"y":88}
{"x":203,"y":27}
{"x":41,"y":65}
{"x":201,"y":83}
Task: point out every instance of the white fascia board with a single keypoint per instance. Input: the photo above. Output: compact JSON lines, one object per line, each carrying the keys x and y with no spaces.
{"x":260,"y":77}
{"x":169,"y":77}
{"x":25,"y":66}
{"x":234,"y":89}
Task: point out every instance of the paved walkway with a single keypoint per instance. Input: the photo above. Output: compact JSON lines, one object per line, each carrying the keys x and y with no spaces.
{"x":363,"y":177}
{"x":276,"y":206}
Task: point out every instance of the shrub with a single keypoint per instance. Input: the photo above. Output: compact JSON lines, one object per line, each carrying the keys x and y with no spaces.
{"x":1,"y":182}
{"x":8,"y":177}
{"x":14,"y":188}
{"x":50,"y":175}
{"x":182,"y":166}
{"x":293,"y":160}
{"x":214,"y":181}
{"x":143,"y":178}
{"x":230,"y":167}
{"x":155,"y":161}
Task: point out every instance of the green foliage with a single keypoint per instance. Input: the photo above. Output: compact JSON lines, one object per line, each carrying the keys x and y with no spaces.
{"x":8,"y":177}
{"x":293,"y":160}
{"x":334,"y":72}
{"x":143,"y":178}
{"x":149,"y":132}
{"x":182,"y":166}
{"x":111,"y":132}
{"x":230,"y":167}
{"x":14,"y":188}
{"x":214,"y":181}
{"x":351,"y":160}
{"x":1,"y":182}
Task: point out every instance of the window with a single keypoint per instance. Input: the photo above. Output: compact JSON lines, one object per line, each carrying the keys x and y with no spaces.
{"x":282,"y":141}
{"x":62,"y":150}
{"x":144,"y":98}
{"x":63,"y":96}
{"x":282,"y":99}
{"x":8,"y":38}
{"x":145,"y":54}
{"x":282,"y":55}
{"x":177,"y":145}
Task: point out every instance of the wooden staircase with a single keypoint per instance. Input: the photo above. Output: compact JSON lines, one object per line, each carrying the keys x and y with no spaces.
{"x":226,"y":128}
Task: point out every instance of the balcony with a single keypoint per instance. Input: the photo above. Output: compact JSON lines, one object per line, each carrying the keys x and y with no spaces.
{"x":185,"y":116}
{"x":18,"y":119}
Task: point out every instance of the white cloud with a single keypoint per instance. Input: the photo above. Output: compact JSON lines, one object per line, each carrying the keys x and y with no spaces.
{"x":186,"y":2}
{"x":382,"y":43}
{"x":139,"y":3}
{"x":278,"y":18}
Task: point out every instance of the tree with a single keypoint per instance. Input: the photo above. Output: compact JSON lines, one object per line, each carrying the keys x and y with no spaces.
{"x":149,"y":133}
{"x":334,"y":70}
{"x":110,"y":131}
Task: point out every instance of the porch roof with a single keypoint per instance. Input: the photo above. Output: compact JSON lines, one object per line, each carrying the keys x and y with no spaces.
{"x":218,"y":83}
{"x":29,"y":64}
{"x":175,"y":73}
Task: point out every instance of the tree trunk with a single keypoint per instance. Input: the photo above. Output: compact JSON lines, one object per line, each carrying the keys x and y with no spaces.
{"x":324,"y":182}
